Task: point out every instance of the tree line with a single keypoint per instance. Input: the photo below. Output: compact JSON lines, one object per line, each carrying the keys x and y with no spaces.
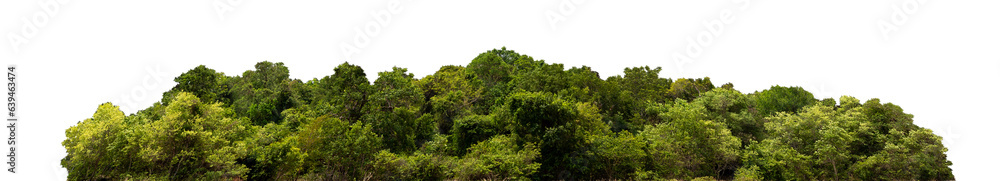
{"x":504,"y":116}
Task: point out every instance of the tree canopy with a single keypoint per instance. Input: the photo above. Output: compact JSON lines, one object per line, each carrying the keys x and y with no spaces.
{"x":504,"y":116}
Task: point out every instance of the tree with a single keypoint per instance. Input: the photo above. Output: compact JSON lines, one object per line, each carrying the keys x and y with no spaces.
{"x":644,"y":83}
{"x":470,"y":130}
{"x":688,"y":89}
{"x":195,"y":140}
{"x":914,"y":155}
{"x":687,"y":145}
{"x":560,"y":129}
{"x":201,"y":81}
{"x":499,"y":158}
{"x":542,"y":77}
{"x":735,"y":110}
{"x":337,"y":150}
{"x":819,"y":133}
{"x":776,"y":161}
{"x":262,"y":94}
{"x":782,"y":99}
{"x":534,"y":113}
{"x":98,"y":147}
{"x":617,"y":155}
{"x":451,"y":93}
{"x":346,"y":92}
{"x":504,"y":116}
{"x":494,"y":69}
{"x":393,"y":110}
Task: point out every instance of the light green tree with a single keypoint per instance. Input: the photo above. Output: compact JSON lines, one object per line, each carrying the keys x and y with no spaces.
{"x":195,"y":140}
{"x":687,"y":145}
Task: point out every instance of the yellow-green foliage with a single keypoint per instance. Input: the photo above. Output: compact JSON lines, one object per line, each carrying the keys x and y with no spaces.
{"x":503,"y":116}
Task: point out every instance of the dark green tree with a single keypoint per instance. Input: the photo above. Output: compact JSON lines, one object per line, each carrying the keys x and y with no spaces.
{"x":393,"y":110}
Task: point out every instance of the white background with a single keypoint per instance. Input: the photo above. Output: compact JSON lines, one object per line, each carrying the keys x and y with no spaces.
{"x":939,"y":60}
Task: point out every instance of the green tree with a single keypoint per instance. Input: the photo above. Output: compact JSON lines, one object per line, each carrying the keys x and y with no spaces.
{"x":782,"y":99}
{"x":470,"y":130}
{"x":644,"y":83}
{"x":617,"y":155}
{"x":393,"y":110}
{"x":195,"y":140}
{"x":499,"y":158}
{"x":688,"y":89}
{"x":99,"y":148}
{"x":203,"y":82}
{"x":559,"y":127}
{"x":735,"y":110}
{"x":914,"y":155}
{"x":345,"y":92}
{"x":687,"y":145}
{"x":776,"y":161}
{"x":337,"y":150}
{"x":262,"y":94}
{"x":451,"y":92}
{"x":504,"y":116}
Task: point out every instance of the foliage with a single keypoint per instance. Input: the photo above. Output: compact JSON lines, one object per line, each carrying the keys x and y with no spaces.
{"x":499,"y":158}
{"x":99,"y":147}
{"x":782,"y":99}
{"x":473,"y":129}
{"x":503,"y":116}
{"x":687,"y":145}
{"x":393,"y":110}
{"x":337,"y":149}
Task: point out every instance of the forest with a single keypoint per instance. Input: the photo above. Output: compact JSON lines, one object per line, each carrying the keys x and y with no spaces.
{"x":504,"y":116}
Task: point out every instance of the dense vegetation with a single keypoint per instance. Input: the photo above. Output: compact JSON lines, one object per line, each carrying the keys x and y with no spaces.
{"x":504,"y":116}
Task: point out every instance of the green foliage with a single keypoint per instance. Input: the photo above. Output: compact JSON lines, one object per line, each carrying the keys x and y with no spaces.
{"x":782,"y":99}
{"x":203,"y":82}
{"x":192,"y":140}
{"x":452,"y":93}
{"x":499,"y":158}
{"x":99,"y":148}
{"x":394,"y":111}
{"x":195,"y":140}
{"x":346,"y":92}
{"x":644,"y":83}
{"x":536,"y":112}
{"x":504,"y":116}
{"x":914,"y":155}
{"x":687,"y":145}
{"x":335,"y":149}
{"x":473,"y":129}
{"x":735,"y":110}
{"x":261,"y":94}
{"x":617,"y":155}
{"x":688,"y":89}
{"x":495,"y":69}
{"x":279,"y":160}
{"x":750,"y":173}
{"x":777,"y":161}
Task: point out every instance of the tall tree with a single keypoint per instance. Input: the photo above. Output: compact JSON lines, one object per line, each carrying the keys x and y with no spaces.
{"x":346,"y":91}
{"x":393,"y":110}
{"x":195,"y":140}
{"x":263,"y":93}
{"x":99,"y":147}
